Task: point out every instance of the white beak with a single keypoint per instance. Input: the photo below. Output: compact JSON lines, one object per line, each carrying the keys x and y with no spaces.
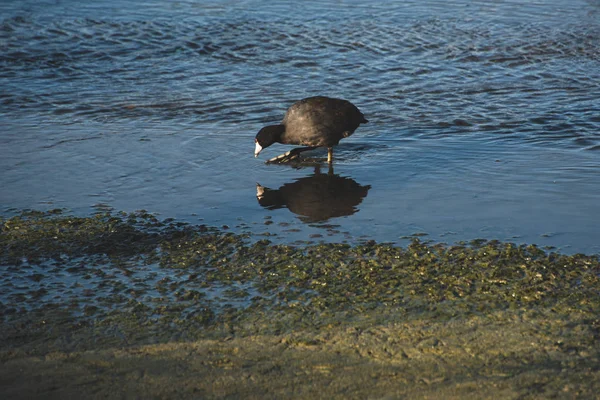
{"x":260,"y":191}
{"x":257,"y":149}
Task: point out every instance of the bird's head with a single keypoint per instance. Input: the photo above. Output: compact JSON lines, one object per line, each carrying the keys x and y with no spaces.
{"x":266,"y":137}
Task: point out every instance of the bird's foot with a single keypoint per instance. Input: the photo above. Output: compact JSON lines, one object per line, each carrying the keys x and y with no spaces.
{"x":289,"y":156}
{"x":283,"y":158}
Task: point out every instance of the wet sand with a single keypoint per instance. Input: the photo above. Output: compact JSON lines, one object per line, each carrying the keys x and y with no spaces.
{"x":507,"y":356}
{"x":132,"y":307}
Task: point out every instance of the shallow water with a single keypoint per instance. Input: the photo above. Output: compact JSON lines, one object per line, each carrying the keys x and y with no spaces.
{"x":484,"y":115}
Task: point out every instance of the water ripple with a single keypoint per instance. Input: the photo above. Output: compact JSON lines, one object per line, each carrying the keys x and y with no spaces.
{"x":478,"y":109}
{"x":450,"y":73}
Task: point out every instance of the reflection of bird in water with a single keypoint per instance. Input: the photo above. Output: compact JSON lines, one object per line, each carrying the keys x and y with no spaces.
{"x":315,"y":122}
{"x":316,"y":197}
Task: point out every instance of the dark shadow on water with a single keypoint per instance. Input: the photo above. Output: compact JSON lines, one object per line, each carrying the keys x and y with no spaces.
{"x":315,"y":198}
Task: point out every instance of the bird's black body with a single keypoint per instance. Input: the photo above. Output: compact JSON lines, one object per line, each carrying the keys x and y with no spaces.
{"x":314,"y":122}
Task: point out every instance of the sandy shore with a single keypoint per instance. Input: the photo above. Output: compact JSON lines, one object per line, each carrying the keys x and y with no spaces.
{"x":513,"y":357}
{"x":130,"y":307}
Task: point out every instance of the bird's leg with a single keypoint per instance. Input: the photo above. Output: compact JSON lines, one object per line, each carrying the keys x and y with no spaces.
{"x":330,"y":155}
{"x":290,"y":155}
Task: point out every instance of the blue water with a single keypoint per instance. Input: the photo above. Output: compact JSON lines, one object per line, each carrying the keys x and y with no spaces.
{"x":484,"y":115}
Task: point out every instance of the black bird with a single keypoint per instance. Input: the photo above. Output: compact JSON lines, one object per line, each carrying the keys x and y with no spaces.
{"x":314,"y":122}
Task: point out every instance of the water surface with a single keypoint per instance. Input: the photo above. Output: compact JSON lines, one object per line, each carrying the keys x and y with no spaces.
{"x":484,"y":115}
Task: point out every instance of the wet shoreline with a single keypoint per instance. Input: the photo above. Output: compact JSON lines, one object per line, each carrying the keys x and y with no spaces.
{"x":115,"y":294}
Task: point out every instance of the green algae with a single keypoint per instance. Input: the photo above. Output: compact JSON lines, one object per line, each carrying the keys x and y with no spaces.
{"x":119,"y":280}
{"x":476,"y":278}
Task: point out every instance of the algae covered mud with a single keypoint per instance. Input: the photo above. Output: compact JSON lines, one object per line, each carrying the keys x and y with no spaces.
{"x":128,"y":305}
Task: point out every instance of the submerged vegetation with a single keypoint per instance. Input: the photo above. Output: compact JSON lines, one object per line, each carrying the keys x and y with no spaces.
{"x":117,"y":280}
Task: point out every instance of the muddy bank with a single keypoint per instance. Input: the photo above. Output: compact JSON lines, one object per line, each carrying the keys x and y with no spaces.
{"x":127,"y":305}
{"x":512,"y":357}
